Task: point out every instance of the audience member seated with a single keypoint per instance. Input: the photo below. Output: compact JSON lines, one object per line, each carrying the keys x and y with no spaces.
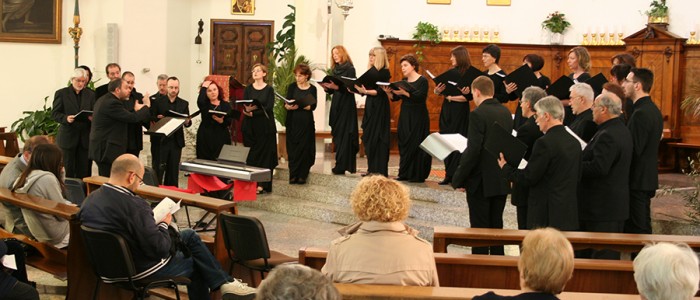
{"x":546,"y":264}
{"x":156,"y":250}
{"x":14,"y":221}
{"x":667,"y":271}
{"x":44,"y":178}
{"x":10,"y":287}
{"x":381,"y":249}
{"x":293,"y":281}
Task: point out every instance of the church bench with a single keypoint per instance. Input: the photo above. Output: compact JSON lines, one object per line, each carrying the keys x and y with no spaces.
{"x":501,"y":272}
{"x":209,"y":204}
{"x":622,"y":242}
{"x":371,"y":292}
{"x":48,"y":258}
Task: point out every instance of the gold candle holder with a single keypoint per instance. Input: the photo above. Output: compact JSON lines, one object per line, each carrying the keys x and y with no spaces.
{"x":475,"y":35}
{"x":692,"y":40}
{"x":455,"y":36}
{"x":446,"y":34}
{"x":485,"y":36}
{"x":611,"y":41}
{"x":495,"y":38}
{"x":465,"y":35}
{"x":584,"y":42}
{"x":594,"y":39}
{"x":619,"y":39}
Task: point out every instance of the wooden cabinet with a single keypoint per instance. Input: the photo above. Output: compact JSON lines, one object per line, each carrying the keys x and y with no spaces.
{"x":237,"y":45}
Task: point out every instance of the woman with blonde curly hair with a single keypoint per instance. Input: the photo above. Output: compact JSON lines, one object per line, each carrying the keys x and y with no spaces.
{"x":381,"y":249}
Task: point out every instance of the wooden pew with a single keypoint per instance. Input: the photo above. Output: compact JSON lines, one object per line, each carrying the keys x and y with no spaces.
{"x":209,"y":204}
{"x":622,"y":242}
{"x":501,"y":272}
{"x":371,"y":292}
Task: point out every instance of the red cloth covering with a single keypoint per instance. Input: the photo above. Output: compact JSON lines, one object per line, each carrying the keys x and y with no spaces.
{"x":177,"y":189}
{"x":244,"y":190}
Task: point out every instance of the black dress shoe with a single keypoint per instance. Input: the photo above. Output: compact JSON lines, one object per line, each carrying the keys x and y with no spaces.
{"x":337,"y":172}
{"x":364,"y":174}
{"x":301,"y":181}
{"x":293,"y":180}
{"x":446,"y":181}
{"x":401,"y":179}
{"x":416,"y":180}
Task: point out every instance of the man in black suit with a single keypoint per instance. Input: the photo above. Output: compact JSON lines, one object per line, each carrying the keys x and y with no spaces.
{"x":478,"y":170}
{"x":135,"y":136}
{"x":113,"y":71}
{"x":553,"y":171}
{"x":171,"y":147}
{"x":581,"y":102}
{"x":108,"y":135}
{"x":604,"y":190}
{"x":162,"y":83}
{"x":528,"y":133}
{"x":646,"y":127}
{"x":74,"y":134}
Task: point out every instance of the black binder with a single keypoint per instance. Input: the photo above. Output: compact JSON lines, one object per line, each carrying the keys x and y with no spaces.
{"x":597,"y":82}
{"x":303,"y":102}
{"x":454,"y":81}
{"x":560,"y":88}
{"x":524,"y":77}
{"x":396,"y":85}
{"x":499,"y":140}
{"x":166,"y":126}
{"x":83,"y":115}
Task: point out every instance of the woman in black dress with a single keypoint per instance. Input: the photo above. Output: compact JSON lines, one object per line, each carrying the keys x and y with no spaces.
{"x":376,"y":120}
{"x":454,"y":114}
{"x":490,"y":56}
{"x":301,"y":129}
{"x":258,"y":127}
{"x":579,"y":61}
{"x":414,"y":123}
{"x":343,"y":114}
{"x":535,"y":62}
{"x":213,"y":132}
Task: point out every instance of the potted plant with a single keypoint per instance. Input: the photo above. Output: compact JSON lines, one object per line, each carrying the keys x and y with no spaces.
{"x":556,"y":24}
{"x":658,"y":12}
{"x":37,"y":122}
{"x":425,"y":32}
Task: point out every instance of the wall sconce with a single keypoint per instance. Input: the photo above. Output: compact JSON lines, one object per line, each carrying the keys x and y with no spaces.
{"x":345,"y":5}
{"x":198,"y":38}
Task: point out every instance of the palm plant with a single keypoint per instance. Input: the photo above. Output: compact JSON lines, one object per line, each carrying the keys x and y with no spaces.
{"x":282,"y":75}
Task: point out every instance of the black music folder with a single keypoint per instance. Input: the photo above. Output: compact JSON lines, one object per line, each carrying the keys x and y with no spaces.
{"x":255,"y":102}
{"x":175,"y":114}
{"x":454,"y":81}
{"x":330,"y":79}
{"x":597,"y":82}
{"x":560,"y":88}
{"x":499,"y":140}
{"x":524,"y":77}
{"x":396,"y":85}
{"x":83,"y":115}
{"x":166,"y":126}
{"x":303,"y":102}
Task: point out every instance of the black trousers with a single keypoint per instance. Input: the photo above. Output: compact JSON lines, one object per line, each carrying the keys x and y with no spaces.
{"x":169,"y":169}
{"x":377,"y":157}
{"x":522,"y":216}
{"x":155,"y":156}
{"x":451,"y":164}
{"x":76,"y":162}
{"x":104,"y":169}
{"x":600,"y":226}
{"x":640,"y":212}
{"x":486,"y":212}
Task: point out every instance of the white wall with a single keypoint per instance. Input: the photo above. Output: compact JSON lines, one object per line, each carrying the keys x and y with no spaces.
{"x":159,"y":35}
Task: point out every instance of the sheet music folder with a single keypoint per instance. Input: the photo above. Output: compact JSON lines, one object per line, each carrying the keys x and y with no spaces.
{"x":560,"y":88}
{"x":233,"y":154}
{"x":166,"y":126}
{"x":83,"y":115}
{"x":442,"y":145}
{"x":303,"y":102}
{"x":597,"y":82}
{"x":396,"y":85}
{"x":524,"y":77}
{"x":499,"y":140}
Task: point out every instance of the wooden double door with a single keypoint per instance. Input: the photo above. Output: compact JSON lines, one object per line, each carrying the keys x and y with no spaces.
{"x":238,"y":45}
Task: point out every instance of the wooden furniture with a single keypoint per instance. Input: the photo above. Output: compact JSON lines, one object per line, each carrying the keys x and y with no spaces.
{"x":8,"y":144}
{"x":237,"y":45}
{"x":623,"y":242}
{"x":209,"y":204}
{"x":501,"y":272}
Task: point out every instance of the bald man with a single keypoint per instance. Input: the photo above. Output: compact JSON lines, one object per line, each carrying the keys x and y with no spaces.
{"x":116,"y":208}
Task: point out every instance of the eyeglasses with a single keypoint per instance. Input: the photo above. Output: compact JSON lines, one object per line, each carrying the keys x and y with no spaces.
{"x":139,"y":177}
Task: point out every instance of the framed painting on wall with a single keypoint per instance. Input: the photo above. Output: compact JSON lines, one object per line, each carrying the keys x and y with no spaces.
{"x":31,"y":21}
{"x":242,"y":7}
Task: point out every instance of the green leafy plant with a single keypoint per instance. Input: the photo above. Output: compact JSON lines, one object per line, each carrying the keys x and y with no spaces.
{"x":657,"y":9}
{"x":692,"y":197}
{"x":284,"y":39}
{"x":90,"y":84}
{"x":556,"y":22}
{"x":691,"y":104}
{"x":37,"y":122}
{"x":425,"y":32}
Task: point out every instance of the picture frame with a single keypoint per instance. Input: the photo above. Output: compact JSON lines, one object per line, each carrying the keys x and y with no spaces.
{"x":31,"y":21}
{"x":242,"y":7}
{"x":439,"y":1}
{"x":498,"y":2}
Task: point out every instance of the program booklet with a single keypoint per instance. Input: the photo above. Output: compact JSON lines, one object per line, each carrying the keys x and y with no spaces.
{"x":442,"y":145}
{"x":165,"y":206}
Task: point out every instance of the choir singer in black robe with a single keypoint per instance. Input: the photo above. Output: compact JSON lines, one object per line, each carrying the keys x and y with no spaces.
{"x":376,"y":121}
{"x":343,"y":114}
{"x":301,"y":129}
{"x":258,"y":127}
{"x":213,"y":132}
{"x":414,"y":123}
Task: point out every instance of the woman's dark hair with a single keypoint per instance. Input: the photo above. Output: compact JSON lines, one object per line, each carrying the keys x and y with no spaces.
{"x":620,"y":71}
{"x":536,"y":61}
{"x":494,"y":51}
{"x":412,"y":60}
{"x":220,"y":96}
{"x":461,"y":55}
{"x":624,"y":58}
{"x":45,"y":157}
{"x":303,"y":69}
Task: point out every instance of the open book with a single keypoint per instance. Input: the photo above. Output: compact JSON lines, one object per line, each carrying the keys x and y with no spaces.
{"x":166,"y":126}
{"x":165,"y":206}
{"x":442,"y":145}
{"x":580,"y":141}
